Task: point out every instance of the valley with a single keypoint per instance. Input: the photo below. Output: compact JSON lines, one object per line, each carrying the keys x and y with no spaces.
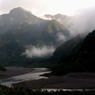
{"x":44,"y":54}
{"x":33,"y":78}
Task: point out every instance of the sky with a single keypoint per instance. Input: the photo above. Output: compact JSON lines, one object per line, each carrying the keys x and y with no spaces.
{"x":41,"y":7}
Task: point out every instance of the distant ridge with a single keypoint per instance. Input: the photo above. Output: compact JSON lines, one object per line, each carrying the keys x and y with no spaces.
{"x":20,"y":29}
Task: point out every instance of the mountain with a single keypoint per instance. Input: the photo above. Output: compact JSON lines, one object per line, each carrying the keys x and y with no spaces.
{"x":81,"y":59}
{"x":58,"y":17}
{"x":15,"y":18}
{"x":21,"y":22}
{"x":63,"y":51}
{"x":20,"y":29}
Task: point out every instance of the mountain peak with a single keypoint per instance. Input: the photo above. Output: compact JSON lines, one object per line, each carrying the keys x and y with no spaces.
{"x":18,"y":16}
{"x":21,"y":15}
{"x":18,"y":10}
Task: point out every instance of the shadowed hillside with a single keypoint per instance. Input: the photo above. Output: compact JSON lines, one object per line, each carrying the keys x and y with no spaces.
{"x":81,"y":58}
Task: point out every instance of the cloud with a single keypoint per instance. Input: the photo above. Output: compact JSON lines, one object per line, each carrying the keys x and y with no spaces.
{"x":61,"y":37}
{"x":33,"y":51}
{"x":82,"y":23}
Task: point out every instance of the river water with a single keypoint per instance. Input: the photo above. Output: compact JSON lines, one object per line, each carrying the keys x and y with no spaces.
{"x":34,"y":75}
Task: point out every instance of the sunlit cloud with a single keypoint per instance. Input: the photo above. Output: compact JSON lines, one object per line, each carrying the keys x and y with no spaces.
{"x":33,"y":51}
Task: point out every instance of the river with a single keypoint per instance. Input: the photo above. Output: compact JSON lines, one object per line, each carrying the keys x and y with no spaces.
{"x":34,"y":75}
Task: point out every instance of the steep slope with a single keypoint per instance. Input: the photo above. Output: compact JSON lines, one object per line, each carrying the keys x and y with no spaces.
{"x":82,"y":58}
{"x":66,"y":49}
{"x":85,"y":56}
{"x":20,"y":29}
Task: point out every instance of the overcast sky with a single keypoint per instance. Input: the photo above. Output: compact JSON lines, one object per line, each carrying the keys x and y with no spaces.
{"x":41,"y":7}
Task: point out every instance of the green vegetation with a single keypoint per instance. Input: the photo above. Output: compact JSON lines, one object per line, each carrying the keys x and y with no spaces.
{"x":21,"y":91}
{"x":2,"y":68}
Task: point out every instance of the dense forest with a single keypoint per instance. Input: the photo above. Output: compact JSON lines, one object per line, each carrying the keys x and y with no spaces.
{"x":78,"y":57}
{"x":15,"y":91}
{"x":2,"y":68}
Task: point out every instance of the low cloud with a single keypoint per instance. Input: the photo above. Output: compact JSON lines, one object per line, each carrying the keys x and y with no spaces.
{"x":83,"y":23}
{"x":33,"y":51}
{"x":61,"y":37}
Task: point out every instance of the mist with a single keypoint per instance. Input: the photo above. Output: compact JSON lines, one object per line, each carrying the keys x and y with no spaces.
{"x":61,"y":37}
{"x":82,"y":23}
{"x":33,"y":51}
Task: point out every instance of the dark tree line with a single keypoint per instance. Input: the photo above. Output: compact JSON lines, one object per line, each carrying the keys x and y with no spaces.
{"x":21,"y":91}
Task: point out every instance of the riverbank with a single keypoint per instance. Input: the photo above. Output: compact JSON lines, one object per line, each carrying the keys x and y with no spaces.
{"x":16,"y":91}
{"x":14,"y":71}
{"x":20,"y":74}
{"x":69,"y":81}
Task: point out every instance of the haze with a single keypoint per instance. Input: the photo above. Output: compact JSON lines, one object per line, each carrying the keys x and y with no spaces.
{"x":41,"y":7}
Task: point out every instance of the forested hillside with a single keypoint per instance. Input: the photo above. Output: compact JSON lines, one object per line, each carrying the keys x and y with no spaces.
{"x":20,"y":29}
{"x":81,"y":58}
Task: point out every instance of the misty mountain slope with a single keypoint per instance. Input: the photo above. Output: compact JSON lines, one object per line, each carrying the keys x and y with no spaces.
{"x":65,"y":50}
{"x":24,"y":30}
{"x":58,"y":17}
{"x":15,"y":18}
{"x":20,"y":22}
{"x":82,"y":58}
{"x":47,"y":34}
